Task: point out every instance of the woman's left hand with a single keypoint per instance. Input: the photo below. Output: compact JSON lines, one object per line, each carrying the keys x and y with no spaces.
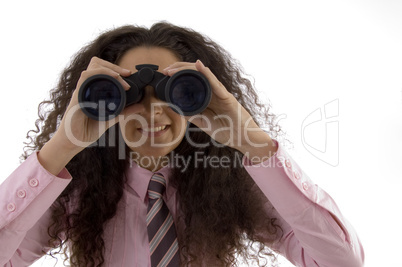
{"x":225,"y":119}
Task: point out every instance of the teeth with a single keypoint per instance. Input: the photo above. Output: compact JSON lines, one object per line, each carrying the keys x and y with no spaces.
{"x":156,"y":129}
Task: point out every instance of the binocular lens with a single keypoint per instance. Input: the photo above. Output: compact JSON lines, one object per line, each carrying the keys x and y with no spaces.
{"x":188,"y":93}
{"x":103,"y":98}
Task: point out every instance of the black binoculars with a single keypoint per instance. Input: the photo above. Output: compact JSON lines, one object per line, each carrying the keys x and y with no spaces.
{"x":102,"y":97}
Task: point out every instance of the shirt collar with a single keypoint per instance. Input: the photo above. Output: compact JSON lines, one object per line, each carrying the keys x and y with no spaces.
{"x":138,"y":178}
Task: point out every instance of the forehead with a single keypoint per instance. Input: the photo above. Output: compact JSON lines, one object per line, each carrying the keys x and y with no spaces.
{"x":147,"y":55}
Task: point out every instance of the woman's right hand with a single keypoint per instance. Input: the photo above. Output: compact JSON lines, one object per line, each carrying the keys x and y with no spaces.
{"x":76,"y":130}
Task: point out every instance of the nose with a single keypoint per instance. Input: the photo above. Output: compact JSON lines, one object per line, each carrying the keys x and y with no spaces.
{"x":152,"y":105}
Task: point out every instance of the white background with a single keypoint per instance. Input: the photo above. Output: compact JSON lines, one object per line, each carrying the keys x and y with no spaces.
{"x":302,"y":54}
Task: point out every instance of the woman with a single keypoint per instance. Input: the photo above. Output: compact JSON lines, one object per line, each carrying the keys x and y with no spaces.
{"x":232,"y":192}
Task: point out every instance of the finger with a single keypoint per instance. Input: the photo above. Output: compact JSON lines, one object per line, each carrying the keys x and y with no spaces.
{"x":172,"y":72}
{"x":106,"y":71}
{"x":218,"y":88}
{"x":178,"y":66}
{"x":98,"y":62}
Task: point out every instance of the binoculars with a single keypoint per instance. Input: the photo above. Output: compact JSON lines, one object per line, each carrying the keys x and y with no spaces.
{"x":102,"y":97}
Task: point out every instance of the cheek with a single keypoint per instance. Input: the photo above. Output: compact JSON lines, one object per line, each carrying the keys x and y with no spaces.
{"x":129,"y":132}
{"x":179,"y":125}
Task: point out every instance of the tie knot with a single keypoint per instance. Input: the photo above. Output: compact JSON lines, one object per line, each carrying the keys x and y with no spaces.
{"x":157,"y":186}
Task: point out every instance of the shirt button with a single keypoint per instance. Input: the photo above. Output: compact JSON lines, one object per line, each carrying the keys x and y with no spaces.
{"x":288,"y":164}
{"x":297,"y":175}
{"x":33,"y":182}
{"x":305,"y":186}
{"x":11,"y":207}
{"x":21,"y":193}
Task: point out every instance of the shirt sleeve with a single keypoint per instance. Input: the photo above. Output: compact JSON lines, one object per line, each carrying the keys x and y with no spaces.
{"x":25,"y":198}
{"x":314,"y":231}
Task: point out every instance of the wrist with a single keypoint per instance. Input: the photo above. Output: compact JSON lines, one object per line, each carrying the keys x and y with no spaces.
{"x":56,"y":154}
{"x":257,"y":146}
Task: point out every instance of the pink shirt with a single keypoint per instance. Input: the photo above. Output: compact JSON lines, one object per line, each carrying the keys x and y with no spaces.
{"x":315,"y":232}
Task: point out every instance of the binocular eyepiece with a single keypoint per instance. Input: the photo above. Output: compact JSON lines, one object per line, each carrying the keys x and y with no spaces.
{"x":102,"y":97}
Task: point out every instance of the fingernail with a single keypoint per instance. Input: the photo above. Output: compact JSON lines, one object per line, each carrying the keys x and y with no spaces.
{"x":167,"y":68}
{"x":202,"y":64}
{"x":127,"y":71}
{"x":171,"y":71}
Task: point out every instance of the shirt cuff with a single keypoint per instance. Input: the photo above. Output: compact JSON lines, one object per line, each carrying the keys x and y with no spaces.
{"x":28,"y":192}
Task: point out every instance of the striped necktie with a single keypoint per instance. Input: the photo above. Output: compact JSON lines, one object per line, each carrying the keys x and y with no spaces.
{"x":161,"y":230}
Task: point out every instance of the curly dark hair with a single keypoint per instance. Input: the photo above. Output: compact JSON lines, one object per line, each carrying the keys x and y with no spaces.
{"x":222,"y":224}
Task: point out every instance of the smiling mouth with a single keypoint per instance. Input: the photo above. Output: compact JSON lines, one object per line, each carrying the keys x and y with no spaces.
{"x":155,"y":131}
